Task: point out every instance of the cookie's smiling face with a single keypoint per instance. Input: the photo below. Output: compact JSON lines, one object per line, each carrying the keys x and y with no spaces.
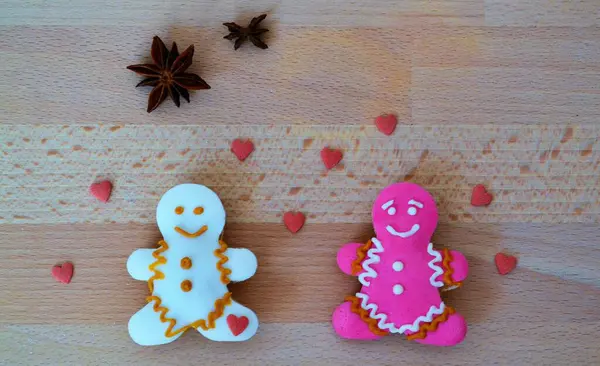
{"x":405,"y":211}
{"x":190,"y":211}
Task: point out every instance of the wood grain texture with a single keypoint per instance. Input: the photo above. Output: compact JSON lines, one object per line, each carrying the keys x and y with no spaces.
{"x":500,"y":92}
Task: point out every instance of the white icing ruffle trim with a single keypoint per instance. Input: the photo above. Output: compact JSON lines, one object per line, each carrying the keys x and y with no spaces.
{"x":368,"y":272}
{"x":437,"y":270}
{"x":383,"y":323}
{"x":373,"y":257}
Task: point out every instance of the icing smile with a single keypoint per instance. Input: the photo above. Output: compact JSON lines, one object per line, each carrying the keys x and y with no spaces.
{"x":191,"y":235}
{"x":404,"y":234}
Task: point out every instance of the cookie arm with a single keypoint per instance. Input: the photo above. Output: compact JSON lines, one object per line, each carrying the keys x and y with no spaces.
{"x":242,"y":263}
{"x":346,"y":256}
{"x":455,"y":268}
{"x":138,"y":264}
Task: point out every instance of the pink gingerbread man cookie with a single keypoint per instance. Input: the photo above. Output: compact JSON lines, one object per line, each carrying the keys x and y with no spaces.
{"x":401,"y":274}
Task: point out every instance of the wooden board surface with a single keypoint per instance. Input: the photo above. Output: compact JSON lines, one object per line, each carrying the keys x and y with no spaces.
{"x":500,"y":92}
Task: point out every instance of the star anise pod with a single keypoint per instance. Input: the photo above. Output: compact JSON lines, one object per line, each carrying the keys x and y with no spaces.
{"x":251,"y":32}
{"x":167,"y":75}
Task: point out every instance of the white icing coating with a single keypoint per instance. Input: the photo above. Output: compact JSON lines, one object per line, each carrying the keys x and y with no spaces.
{"x":382,"y":318}
{"x":221,"y":330}
{"x":138,"y":263}
{"x":412,"y":211}
{"x":437,"y":270}
{"x":387,"y":204}
{"x":187,"y":307}
{"x":190,"y":196}
{"x":398,"y":266}
{"x":242,"y":262}
{"x":403,"y":234}
{"x":146,"y":329}
{"x":416,"y":203}
{"x":373,"y":257}
{"x":398,"y":289}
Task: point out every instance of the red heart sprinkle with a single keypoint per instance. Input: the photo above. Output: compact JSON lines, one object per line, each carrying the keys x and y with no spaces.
{"x":386,"y":123}
{"x":505,"y":263}
{"x":63,"y":273}
{"x":237,"y":324}
{"x":480,"y":196}
{"x":331,"y":157}
{"x":242,"y":148}
{"x":294,"y":221}
{"x":101,"y":190}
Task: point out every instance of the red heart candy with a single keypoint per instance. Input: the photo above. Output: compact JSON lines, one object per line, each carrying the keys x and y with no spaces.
{"x":480,"y":196}
{"x":237,"y":324}
{"x":63,"y":273}
{"x":331,"y":157}
{"x":294,"y":221}
{"x":386,"y":123}
{"x":242,"y":148}
{"x":505,"y":263}
{"x":101,"y":190}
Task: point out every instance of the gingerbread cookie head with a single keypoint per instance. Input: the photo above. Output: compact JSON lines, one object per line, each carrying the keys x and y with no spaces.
{"x":190,"y":211}
{"x":406,"y":212}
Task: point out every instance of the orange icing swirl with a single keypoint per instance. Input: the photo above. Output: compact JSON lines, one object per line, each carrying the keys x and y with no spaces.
{"x":364,"y":315}
{"x":361,"y":253}
{"x":215,"y":314}
{"x":448,"y":270}
{"x":158,"y":275}
{"x":220,"y":253}
{"x":432,"y":326}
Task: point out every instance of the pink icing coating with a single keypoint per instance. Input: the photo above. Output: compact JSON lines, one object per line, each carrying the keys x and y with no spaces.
{"x":400,"y":279}
{"x":346,"y":256}
{"x":459,"y":265}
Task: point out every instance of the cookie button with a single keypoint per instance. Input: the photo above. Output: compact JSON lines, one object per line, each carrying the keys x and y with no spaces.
{"x":398,"y":266}
{"x":186,"y":286}
{"x":186,"y":263}
{"x":398,"y":289}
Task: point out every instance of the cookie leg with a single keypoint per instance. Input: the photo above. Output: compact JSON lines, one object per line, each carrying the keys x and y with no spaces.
{"x":146,"y":329}
{"x":349,"y":325}
{"x":449,"y":333}
{"x":237,"y":324}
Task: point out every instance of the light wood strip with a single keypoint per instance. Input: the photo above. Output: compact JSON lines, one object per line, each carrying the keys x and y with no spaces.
{"x":511,"y":343}
{"x":379,"y":13}
{"x":542,"y":13}
{"x":287,"y":85}
{"x":546,"y":174}
{"x":298,"y":280}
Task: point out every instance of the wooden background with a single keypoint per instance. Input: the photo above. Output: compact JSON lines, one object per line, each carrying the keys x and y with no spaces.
{"x":500,"y":92}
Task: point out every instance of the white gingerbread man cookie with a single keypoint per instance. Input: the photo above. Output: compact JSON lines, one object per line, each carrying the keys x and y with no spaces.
{"x":188,"y":274}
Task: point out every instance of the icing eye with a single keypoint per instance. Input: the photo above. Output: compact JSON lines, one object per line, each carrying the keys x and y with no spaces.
{"x":178,"y":210}
{"x":198,"y":210}
{"x":391,"y":211}
{"x":412,"y":211}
